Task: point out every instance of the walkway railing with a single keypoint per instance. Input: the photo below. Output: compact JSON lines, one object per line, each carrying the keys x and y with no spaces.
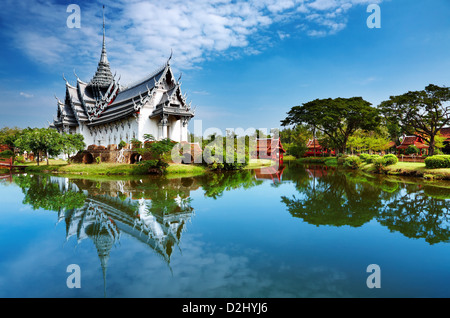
{"x":6,"y":163}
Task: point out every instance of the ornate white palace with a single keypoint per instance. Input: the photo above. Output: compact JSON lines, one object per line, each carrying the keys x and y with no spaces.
{"x":105,"y":112}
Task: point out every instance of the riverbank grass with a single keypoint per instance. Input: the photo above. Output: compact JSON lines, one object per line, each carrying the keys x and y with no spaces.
{"x":181,"y":170}
{"x":259,"y":163}
{"x":88,"y":169}
{"x":416,"y":169}
{"x":175,"y":170}
{"x":329,"y":161}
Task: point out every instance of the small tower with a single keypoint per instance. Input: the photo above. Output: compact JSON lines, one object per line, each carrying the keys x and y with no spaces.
{"x":103,"y":76}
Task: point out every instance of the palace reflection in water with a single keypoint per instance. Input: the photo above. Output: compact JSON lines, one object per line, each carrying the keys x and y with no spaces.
{"x":152,"y":210}
{"x":156,"y":211}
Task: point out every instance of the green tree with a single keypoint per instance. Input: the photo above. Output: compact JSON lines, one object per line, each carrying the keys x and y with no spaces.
{"x":421,"y":113}
{"x":9,"y":135}
{"x":71,"y":143}
{"x":336,"y":118}
{"x":294,"y":140}
{"x":357,"y":141}
{"x":40,"y":141}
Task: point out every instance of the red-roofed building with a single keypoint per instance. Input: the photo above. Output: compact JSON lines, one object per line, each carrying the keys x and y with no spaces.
{"x":445,"y":132}
{"x":269,"y":148}
{"x":413,"y":141}
{"x":4,"y":147}
{"x":315,"y":149}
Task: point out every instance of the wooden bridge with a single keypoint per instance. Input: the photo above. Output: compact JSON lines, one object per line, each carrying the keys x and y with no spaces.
{"x":7,"y":177}
{"x":8,"y":163}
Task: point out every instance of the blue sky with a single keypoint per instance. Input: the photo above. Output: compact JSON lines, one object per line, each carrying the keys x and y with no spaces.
{"x":244,"y":64}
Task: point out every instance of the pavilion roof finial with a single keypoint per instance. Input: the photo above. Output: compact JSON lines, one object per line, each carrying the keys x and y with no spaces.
{"x":103,"y":77}
{"x":170,"y":57}
{"x":104,"y":58}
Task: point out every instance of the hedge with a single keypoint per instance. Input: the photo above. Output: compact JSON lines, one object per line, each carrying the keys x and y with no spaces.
{"x":389,"y":160}
{"x":364,"y":156}
{"x":352,"y":162}
{"x":6,"y":154}
{"x":371,"y":158}
{"x":438,"y":161}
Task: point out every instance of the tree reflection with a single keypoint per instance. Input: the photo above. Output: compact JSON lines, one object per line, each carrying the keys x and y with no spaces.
{"x":416,"y":215}
{"x":215,"y":184}
{"x":339,"y":197}
{"x":331,"y":198}
{"x":41,"y":192}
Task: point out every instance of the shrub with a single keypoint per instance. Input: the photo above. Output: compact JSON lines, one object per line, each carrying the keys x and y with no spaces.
{"x":122,"y":144}
{"x":412,"y":150}
{"x":6,"y":154}
{"x":364,"y":156}
{"x":20,"y":159}
{"x":371,"y":158}
{"x":378,"y":163}
{"x":437,"y":161}
{"x":296,"y":149}
{"x":352,"y":162}
{"x":153,"y":166}
{"x":390,"y":160}
{"x":136,"y":143}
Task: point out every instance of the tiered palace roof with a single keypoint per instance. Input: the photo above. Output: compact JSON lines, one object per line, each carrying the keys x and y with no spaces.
{"x":103,"y":100}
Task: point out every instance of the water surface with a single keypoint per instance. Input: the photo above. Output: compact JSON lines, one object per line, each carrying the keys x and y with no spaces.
{"x":299,"y":231}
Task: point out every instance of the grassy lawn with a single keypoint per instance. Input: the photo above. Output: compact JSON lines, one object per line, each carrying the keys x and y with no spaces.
{"x":416,"y":169}
{"x":89,"y":169}
{"x":259,"y":163}
{"x":174,"y":170}
{"x":180,"y":170}
{"x":329,"y":161}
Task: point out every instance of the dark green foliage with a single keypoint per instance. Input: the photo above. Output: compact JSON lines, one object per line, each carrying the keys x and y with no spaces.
{"x":423,"y":112}
{"x":352,"y":162}
{"x":336,"y":118}
{"x":371,"y":158}
{"x":437,"y":161}
{"x":9,"y":135}
{"x":19,"y":159}
{"x":225,"y":154}
{"x":122,"y":144}
{"x":364,"y":156}
{"x":389,"y":160}
{"x":153,"y":166}
{"x":41,"y":193}
{"x":378,"y":163}
{"x":6,"y":154}
{"x":47,"y":141}
{"x":136,"y":143}
{"x":160,"y":153}
{"x":412,"y":150}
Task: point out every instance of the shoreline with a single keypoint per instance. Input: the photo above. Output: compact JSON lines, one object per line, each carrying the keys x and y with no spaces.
{"x":401,"y":168}
{"x":114,"y":169}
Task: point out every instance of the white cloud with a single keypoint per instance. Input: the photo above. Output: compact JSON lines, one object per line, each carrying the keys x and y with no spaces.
{"x":26,"y":95}
{"x":141,"y":35}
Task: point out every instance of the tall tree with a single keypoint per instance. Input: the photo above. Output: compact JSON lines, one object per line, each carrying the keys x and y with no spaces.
{"x":40,"y":141}
{"x":421,"y":113}
{"x":336,"y":118}
{"x":71,"y":143}
{"x":9,"y":135}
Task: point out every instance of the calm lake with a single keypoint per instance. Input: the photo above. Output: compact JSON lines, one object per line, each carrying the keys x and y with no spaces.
{"x":299,"y":231}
